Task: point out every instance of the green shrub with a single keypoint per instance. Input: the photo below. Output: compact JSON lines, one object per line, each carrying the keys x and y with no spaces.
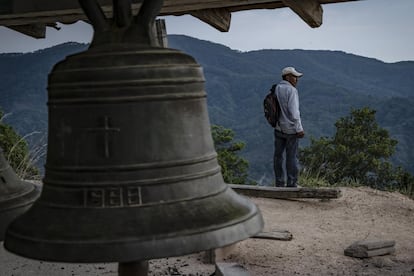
{"x":16,"y":151}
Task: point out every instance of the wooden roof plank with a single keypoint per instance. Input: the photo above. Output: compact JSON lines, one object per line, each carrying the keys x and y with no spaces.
{"x":216,"y":13}
{"x":37,"y":30}
{"x":310,"y":11}
{"x":217,"y":18}
{"x":22,"y":12}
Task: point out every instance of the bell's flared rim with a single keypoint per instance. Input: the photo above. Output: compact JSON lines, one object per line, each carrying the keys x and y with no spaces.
{"x":126,"y":249}
{"x":13,"y":206}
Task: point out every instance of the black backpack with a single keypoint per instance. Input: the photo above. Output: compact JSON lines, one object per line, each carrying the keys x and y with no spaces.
{"x":271,"y":107}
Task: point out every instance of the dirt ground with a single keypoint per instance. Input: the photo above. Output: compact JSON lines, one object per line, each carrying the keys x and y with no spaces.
{"x":321,"y":231}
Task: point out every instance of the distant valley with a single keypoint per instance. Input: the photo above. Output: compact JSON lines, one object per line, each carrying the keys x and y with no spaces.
{"x":236,"y":82}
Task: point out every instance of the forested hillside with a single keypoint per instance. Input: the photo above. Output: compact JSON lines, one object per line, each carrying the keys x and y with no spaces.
{"x":333,"y":83}
{"x":236,"y":82}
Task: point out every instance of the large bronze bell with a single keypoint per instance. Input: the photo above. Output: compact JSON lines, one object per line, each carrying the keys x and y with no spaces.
{"x":16,"y":195}
{"x":131,"y":170}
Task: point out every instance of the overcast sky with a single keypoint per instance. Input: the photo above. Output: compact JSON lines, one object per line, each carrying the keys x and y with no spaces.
{"x":381,"y":29}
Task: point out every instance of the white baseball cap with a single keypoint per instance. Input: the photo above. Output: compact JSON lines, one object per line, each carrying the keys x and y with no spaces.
{"x":291,"y":70}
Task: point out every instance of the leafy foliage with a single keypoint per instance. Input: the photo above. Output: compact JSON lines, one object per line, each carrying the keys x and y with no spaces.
{"x":233,"y":167}
{"x":16,"y":151}
{"x":360,"y":151}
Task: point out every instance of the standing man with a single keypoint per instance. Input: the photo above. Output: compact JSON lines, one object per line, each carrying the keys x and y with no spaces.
{"x":288,"y":129}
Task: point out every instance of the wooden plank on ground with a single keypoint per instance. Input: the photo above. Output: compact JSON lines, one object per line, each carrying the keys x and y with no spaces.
{"x":230,"y":269}
{"x":216,"y":255}
{"x":281,"y":235}
{"x":285,"y":193}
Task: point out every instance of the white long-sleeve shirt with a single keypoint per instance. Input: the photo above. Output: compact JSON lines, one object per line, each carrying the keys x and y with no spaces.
{"x":289,"y":120}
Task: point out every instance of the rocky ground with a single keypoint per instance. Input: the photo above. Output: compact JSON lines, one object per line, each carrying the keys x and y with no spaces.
{"x":321,"y":231}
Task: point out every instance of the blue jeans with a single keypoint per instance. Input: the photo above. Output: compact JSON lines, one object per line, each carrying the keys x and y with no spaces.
{"x":286,"y":144}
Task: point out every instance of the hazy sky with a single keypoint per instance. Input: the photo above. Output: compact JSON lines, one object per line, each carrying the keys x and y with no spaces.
{"x":382,"y":29}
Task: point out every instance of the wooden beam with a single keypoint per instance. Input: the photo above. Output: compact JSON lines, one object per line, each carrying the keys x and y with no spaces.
{"x":169,"y":6}
{"x":184,"y":6}
{"x":26,"y":12}
{"x":310,"y":11}
{"x":281,"y":235}
{"x":285,"y":193}
{"x":37,"y":30}
{"x":161,"y":31}
{"x":230,"y":269}
{"x":217,"y":18}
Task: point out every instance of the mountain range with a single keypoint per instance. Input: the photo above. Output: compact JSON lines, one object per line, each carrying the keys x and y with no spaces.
{"x":333,"y":84}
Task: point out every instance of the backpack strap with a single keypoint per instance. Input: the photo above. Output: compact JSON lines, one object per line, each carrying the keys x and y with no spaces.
{"x":272,"y":89}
